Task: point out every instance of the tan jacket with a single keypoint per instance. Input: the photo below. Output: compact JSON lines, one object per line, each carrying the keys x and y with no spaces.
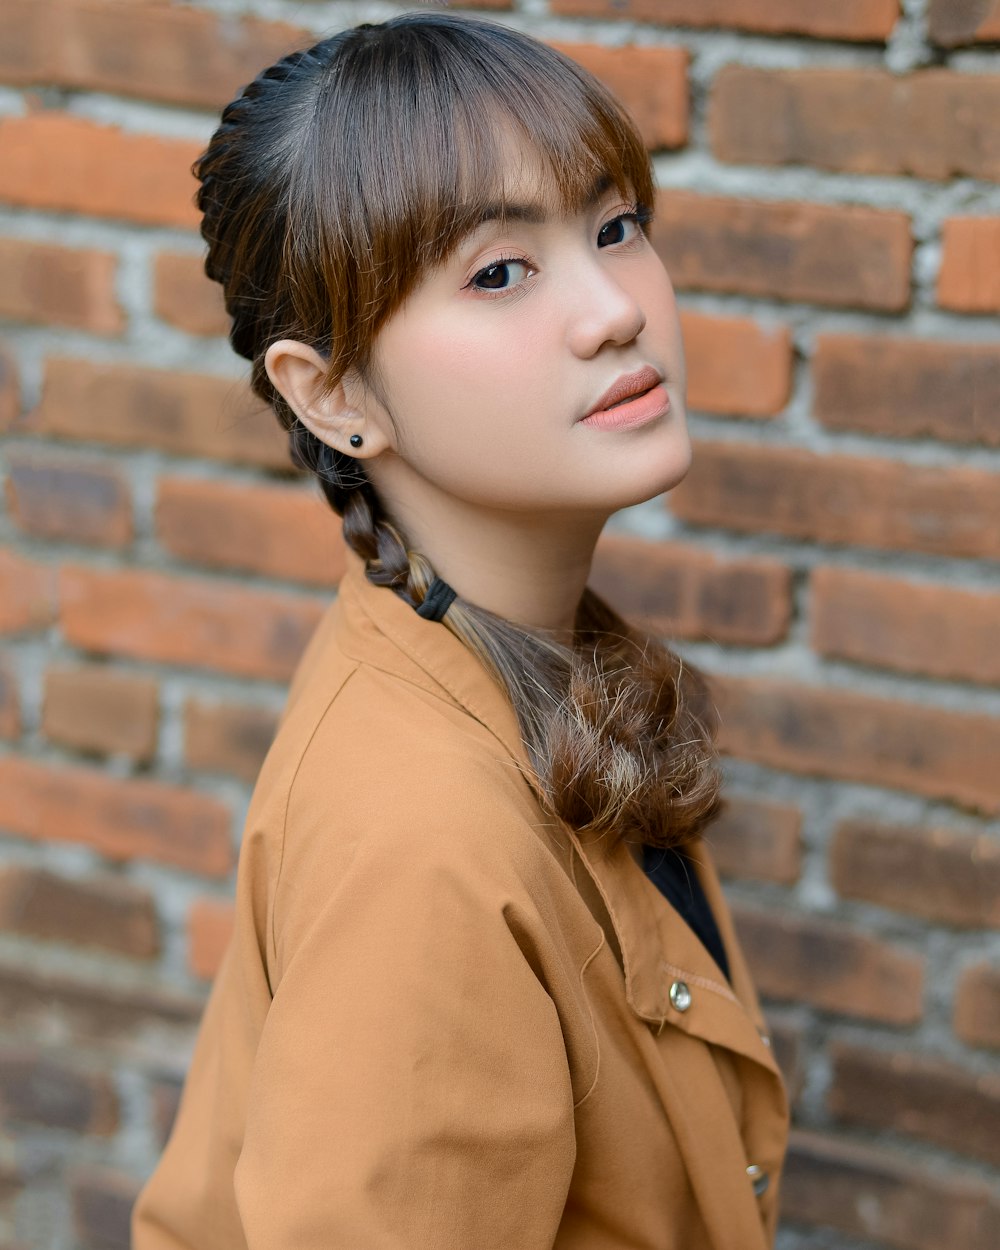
{"x":443,"y":1023}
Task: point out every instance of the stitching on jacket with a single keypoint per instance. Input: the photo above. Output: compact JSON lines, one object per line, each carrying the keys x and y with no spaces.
{"x":695,"y":978}
{"x":597,"y":1042}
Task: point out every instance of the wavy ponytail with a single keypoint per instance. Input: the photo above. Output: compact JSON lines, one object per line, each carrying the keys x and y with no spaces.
{"x":333,"y":178}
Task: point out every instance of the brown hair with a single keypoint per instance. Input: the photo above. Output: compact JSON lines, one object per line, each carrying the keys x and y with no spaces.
{"x":335,"y":179}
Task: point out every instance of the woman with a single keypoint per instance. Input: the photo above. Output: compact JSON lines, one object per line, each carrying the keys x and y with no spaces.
{"x":483,"y":989}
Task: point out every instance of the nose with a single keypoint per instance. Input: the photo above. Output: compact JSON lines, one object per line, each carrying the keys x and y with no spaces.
{"x":604,"y":312}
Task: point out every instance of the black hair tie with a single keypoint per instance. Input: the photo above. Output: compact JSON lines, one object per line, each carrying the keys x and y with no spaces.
{"x":437,"y":601}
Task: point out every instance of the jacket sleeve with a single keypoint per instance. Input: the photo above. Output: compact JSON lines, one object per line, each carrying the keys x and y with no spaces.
{"x":411,"y":1088}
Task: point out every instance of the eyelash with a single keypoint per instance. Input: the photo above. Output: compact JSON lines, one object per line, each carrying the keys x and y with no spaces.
{"x":640,"y":214}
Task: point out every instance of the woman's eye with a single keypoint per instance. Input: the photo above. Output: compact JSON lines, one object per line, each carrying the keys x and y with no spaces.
{"x":504,"y":274}
{"x":618,"y":230}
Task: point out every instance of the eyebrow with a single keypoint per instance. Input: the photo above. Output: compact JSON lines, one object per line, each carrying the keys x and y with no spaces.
{"x":534,"y":212}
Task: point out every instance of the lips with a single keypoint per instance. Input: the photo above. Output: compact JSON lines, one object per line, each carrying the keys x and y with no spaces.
{"x":628,"y":386}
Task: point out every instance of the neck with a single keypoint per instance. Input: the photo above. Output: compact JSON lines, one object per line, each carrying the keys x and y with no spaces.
{"x":529,"y":569}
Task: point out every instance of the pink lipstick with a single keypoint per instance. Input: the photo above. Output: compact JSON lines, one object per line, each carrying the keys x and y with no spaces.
{"x":633,"y":400}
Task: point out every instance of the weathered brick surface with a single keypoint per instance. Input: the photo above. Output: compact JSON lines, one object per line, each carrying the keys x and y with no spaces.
{"x":107,"y":913}
{"x":908,"y":388}
{"x":861,"y":20}
{"x":815,"y":253}
{"x":10,"y":389}
{"x":977,"y":1006}
{"x":151,"y":50}
{"x":874,"y":1195}
{"x":228,"y":738}
{"x":276,"y":531}
{"x":27,"y":594}
{"x":844,"y":734}
{"x":920,"y":1097}
{"x":185,"y":297}
{"x":94,"y":708}
{"x":735,"y":365}
{"x":842,"y":500}
{"x":832,"y":967}
{"x":102,"y":1208}
{"x":60,"y":286}
{"x":10,"y":700}
{"x":681,"y":591}
{"x":954,"y":22}
{"x":129,"y":819}
{"x":651,"y":82}
{"x":37,"y":1089}
{"x":69,"y":499}
{"x":70,"y":164}
{"x":173,"y":620}
{"x":940,"y":874}
{"x":165,"y":1096}
{"x":931,"y":124}
{"x":969,"y":280}
{"x":187,"y":414}
{"x":757,"y":839}
{"x":913,"y":627}
{"x":210,"y":924}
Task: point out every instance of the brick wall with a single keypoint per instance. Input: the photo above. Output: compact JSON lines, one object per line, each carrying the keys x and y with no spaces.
{"x":830,"y":214}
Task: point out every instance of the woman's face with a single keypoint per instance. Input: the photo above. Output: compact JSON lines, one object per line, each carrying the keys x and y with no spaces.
{"x":489,"y":368}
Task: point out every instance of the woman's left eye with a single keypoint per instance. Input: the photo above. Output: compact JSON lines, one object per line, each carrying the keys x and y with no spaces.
{"x":619,"y":230}
{"x":501,"y":275}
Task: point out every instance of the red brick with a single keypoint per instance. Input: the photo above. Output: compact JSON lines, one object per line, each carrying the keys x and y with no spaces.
{"x":186,"y":414}
{"x":228,"y":737}
{"x":102,"y":1209}
{"x":954,"y":22}
{"x":38,"y":1089}
{"x":210,"y":925}
{"x":186,"y":298}
{"x":831,"y":967}
{"x":787,"y":1043}
{"x":61,"y":286}
{"x":921,"y":1097}
{"x":856,"y":20}
{"x":878,"y":1196}
{"x":939,"y":874}
{"x":650,"y":82}
{"x":842,"y":500}
{"x":822,"y":732}
{"x":735,"y":365}
{"x":153,"y":50}
{"x":757,"y":839}
{"x":969,"y":280}
{"x":908,"y":388}
{"x":277,"y":531}
{"x":681,"y":591}
{"x":27,"y":594}
{"x":934,"y":123}
{"x":62,"y":163}
{"x":109,"y":913}
{"x":10,"y":700}
{"x":913,"y":627}
{"x":94,"y":708}
{"x":10,"y":390}
{"x":72,"y":500}
{"x":977,"y":1006}
{"x":820,"y":254}
{"x":165,"y":1097}
{"x":132,"y":819}
{"x":173,"y":620}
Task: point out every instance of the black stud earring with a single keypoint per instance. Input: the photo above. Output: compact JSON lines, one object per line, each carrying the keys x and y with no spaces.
{"x":356,"y":440}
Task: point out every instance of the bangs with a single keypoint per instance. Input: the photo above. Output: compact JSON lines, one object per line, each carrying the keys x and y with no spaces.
{"x":410,"y":149}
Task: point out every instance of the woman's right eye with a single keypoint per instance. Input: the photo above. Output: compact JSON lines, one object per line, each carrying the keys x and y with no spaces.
{"x":501,"y":275}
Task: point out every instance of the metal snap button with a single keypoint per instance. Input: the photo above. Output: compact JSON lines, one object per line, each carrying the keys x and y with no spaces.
{"x":758,"y":1178}
{"x":680,"y":996}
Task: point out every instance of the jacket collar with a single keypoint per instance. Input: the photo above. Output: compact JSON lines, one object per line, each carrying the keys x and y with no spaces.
{"x":374,"y":625}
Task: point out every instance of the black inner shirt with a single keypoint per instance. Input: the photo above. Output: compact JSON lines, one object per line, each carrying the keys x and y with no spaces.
{"x":674,"y":876}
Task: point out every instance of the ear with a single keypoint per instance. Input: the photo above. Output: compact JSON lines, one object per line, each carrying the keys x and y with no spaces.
{"x":297,"y":372}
